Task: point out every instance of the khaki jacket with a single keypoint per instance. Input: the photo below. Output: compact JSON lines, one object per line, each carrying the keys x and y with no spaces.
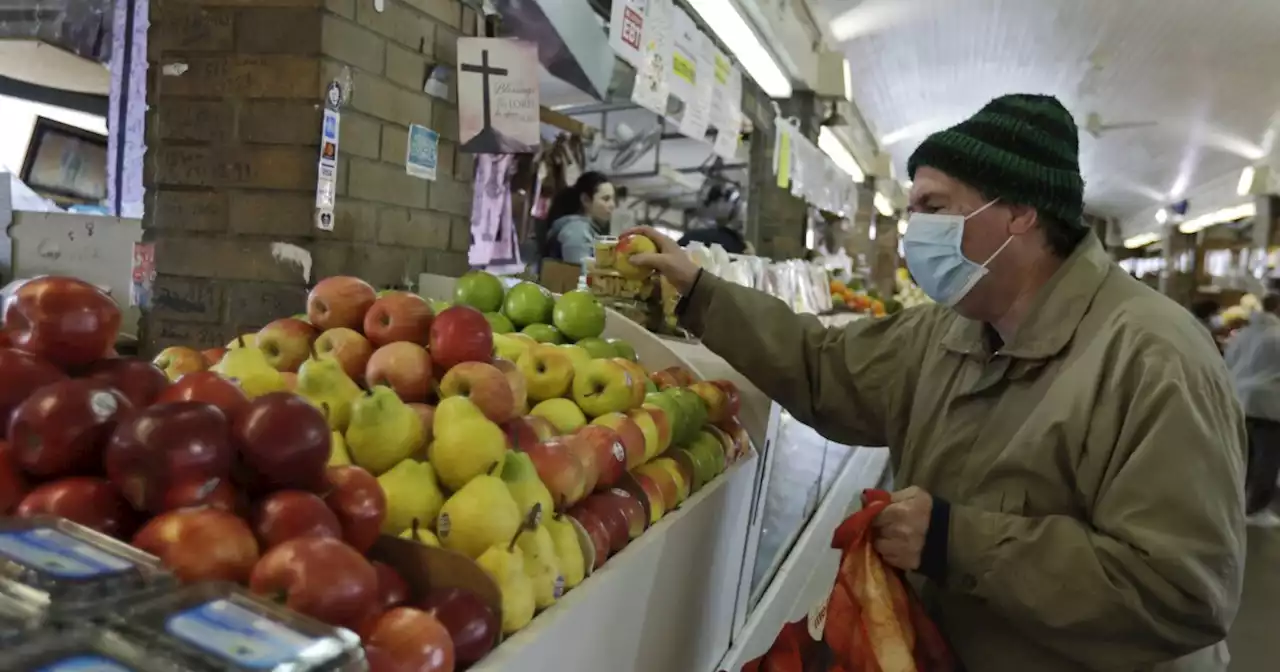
{"x":1094,"y":465}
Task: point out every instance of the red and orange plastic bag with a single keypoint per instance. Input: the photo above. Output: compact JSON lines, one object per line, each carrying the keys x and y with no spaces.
{"x":874,"y":623}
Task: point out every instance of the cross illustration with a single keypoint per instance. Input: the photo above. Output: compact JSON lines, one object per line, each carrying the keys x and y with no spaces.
{"x":484,"y":69}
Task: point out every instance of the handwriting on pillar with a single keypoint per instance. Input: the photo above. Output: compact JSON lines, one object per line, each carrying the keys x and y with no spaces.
{"x":202,"y":167}
{"x":184,"y":298}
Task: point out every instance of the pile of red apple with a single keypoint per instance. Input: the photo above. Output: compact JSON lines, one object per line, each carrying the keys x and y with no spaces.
{"x":218,"y":486}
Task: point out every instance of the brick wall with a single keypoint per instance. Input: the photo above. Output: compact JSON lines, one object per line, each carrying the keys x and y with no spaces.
{"x":233,"y":149}
{"x":777,"y":221}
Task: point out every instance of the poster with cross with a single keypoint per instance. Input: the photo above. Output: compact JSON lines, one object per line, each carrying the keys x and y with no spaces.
{"x":498,"y":96}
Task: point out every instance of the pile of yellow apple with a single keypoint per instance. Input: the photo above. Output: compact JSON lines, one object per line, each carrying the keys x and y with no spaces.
{"x":537,"y":459}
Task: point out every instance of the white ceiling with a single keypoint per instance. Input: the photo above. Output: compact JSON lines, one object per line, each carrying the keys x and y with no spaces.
{"x":35,"y":62}
{"x":1207,"y":71}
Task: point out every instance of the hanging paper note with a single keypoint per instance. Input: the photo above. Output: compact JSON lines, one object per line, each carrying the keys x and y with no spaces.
{"x":727,"y":135}
{"x":652,"y":88}
{"x":685,"y":48}
{"x":626,"y":30}
{"x":784,"y":157}
{"x":697,"y":110}
{"x":498,"y":103}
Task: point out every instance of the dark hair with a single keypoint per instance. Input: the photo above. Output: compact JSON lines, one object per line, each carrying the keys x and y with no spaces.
{"x":567,"y":202}
{"x":1062,"y":238}
{"x":1204,"y":309}
{"x":1271,"y":303}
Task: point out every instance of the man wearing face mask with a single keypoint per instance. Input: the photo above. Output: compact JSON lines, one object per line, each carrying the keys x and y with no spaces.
{"x":1070,"y":448}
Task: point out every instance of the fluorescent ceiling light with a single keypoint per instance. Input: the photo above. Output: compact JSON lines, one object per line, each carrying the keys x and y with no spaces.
{"x":1246,"y":181}
{"x":832,"y":147}
{"x":848,"y":81}
{"x":883,"y":206}
{"x":1162,"y":216}
{"x":1141,"y":240}
{"x":1218,"y":217}
{"x":728,"y":25}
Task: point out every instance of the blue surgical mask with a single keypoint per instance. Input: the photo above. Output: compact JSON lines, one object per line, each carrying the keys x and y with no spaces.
{"x":932,"y":250}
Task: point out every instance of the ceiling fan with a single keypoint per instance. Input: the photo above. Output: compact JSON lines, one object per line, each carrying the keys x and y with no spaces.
{"x":1093,"y":124}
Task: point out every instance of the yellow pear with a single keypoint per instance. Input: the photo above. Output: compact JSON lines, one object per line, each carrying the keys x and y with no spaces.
{"x":505,"y":563}
{"x":522,"y":479}
{"x":482,"y":513}
{"x":383,"y":430}
{"x":568,"y":550}
{"x":248,"y":367}
{"x":338,"y":456}
{"x":465,"y":444}
{"x":540,"y":561}
{"x":412,"y":495}
{"x":452,"y":410}
{"x":323,"y":383}
{"x":421,"y":535}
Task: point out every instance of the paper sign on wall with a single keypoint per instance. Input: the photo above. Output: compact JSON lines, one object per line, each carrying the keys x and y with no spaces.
{"x":626,"y":30}
{"x":422,"y":153}
{"x":498,"y":103}
{"x":728,"y":134}
{"x":697,"y":107}
{"x":652,"y":88}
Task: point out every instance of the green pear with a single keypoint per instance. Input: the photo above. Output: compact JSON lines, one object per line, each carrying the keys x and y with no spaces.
{"x":323,"y":383}
{"x":522,"y":479}
{"x":338,"y":455}
{"x":464,"y":447}
{"x":412,"y":495}
{"x":505,"y":563}
{"x":249,"y":368}
{"x":383,"y":431}
{"x":421,"y":535}
{"x":452,"y":410}
{"x":480,"y":514}
{"x":568,"y":550}
{"x":541,"y":563}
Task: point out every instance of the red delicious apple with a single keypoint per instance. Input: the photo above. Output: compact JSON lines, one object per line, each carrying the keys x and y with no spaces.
{"x":218,"y":493}
{"x":319,"y":577}
{"x":398,"y":316}
{"x":631,"y":507}
{"x":393,"y":590}
{"x":284,"y":441}
{"x":204,"y":544}
{"x":528,"y":430}
{"x":62,"y":428}
{"x":92,"y":502}
{"x":22,"y":373}
{"x":286,"y":343}
{"x":472,"y":625}
{"x":13,"y":486}
{"x":140,"y":381}
{"x":357,"y":499}
{"x":427,"y":413}
{"x":66,"y":321}
{"x":597,"y":531}
{"x":210,"y":388}
{"x":351,"y":350}
{"x":460,"y":334}
{"x":559,"y":469}
{"x":414,"y":640}
{"x":185,"y":442}
{"x":340,"y":301}
{"x":609,"y":513}
{"x":609,"y":453}
{"x":404,"y":367}
{"x":292,"y":514}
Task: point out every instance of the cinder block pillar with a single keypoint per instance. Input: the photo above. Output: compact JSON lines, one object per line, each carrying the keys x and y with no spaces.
{"x":780,"y":219}
{"x":235,"y":94}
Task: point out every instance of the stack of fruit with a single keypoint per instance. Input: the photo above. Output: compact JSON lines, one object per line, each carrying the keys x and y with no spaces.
{"x":280,"y":461}
{"x":856,"y":300}
{"x":909,"y":293}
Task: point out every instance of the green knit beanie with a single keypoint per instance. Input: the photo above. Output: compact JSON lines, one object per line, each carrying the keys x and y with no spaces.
{"x":1020,"y":148}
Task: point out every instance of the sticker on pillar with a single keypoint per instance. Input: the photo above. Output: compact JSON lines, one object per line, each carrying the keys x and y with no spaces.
{"x":422,"y":153}
{"x":144,"y":274}
{"x":334,"y":96}
{"x":326,"y":189}
{"x":327,"y":170}
{"x":324,"y":219}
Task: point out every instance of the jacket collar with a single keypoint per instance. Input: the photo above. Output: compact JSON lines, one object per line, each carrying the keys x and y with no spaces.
{"x":1054,"y":316}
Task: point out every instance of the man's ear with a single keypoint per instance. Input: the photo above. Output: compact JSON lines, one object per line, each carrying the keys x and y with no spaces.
{"x":1024,"y":219}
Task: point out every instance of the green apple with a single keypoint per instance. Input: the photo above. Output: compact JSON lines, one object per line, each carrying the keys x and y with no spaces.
{"x":624,"y":349}
{"x":543,"y":333}
{"x":693,"y":413}
{"x":577,"y":354}
{"x":562,"y":413}
{"x":510,"y":348}
{"x":650,"y":386}
{"x":500,"y":323}
{"x":598,"y":348}
{"x":438,"y":306}
{"x":675,"y":414}
{"x":528,"y":303}
{"x":602,"y":386}
{"x":480,"y":290}
{"x":578,"y":315}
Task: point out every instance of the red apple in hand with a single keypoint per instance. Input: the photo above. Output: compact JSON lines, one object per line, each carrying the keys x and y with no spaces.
{"x":92,"y":502}
{"x":66,"y":321}
{"x":398,"y":316}
{"x":186,"y":442}
{"x":340,"y":301}
{"x":62,"y":428}
{"x":393,"y":591}
{"x":210,"y":388}
{"x":22,"y":373}
{"x":472,"y":625}
{"x":460,"y":334}
{"x":357,"y":499}
{"x":404,"y":367}
{"x":414,"y":640}
{"x":320,"y":577}
{"x":13,"y":487}
{"x":284,"y":442}
{"x":140,"y":381}
{"x":292,"y":514}
{"x":203,"y":544}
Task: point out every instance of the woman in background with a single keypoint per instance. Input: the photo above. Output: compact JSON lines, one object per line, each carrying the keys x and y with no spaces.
{"x":577,"y":215}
